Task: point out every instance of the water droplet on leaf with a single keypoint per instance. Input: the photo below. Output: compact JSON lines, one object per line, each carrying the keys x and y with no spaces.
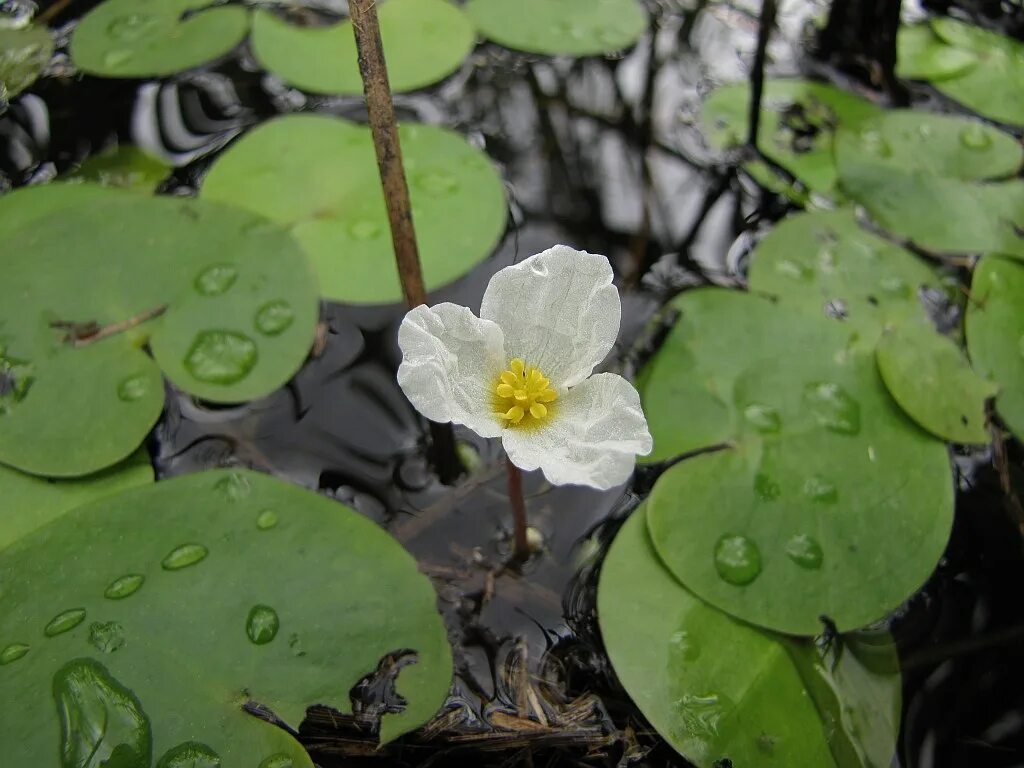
{"x":106,"y":637}
{"x":215,"y":280}
{"x":116,"y":58}
{"x":234,"y":487}
{"x":133,"y":388}
{"x":221,"y":357}
{"x":821,"y":490}
{"x":64,"y":622}
{"x":974,"y":136}
{"x":274,"y":318}
{"x":191,"y":754}
{"x":262,"y":624}
{"x":700,"y":715}
{"x":766,"y":488}
{"x":833,"y":407}
{"x":895,"y":286}
{"x":737,"y":559}
{"x":131,"y":26}
{"x":875,"y":143}
{"x":124,"y":586}
{"x":804,"y":551}
{"x":682,"y":647}
{"x":280,"y":760}
{"x":437,"y":183}
{"x":12,"y":653}
{"x":266,"y":519}
{"x":365,"y":230}
{"x":184,"y":556}
{"x":793,"y":269}
{"x":763,"y":418}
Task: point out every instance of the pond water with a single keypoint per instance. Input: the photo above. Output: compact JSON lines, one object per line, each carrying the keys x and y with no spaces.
{"x":603,"y":154}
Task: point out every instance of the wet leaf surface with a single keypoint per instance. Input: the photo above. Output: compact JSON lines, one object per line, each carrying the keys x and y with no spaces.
{"x":240,"y":303}
{"x":424,"y":41}
{"x":572,"y":27}
{"x":219,"y":617}
{"x":318,"y":176}
{"x":719,"y":689}
{"x":126,"y":166}
{"x":995,"y":333}
{"x":152,"y":38}
{"x":923,"y":55}
{"x":24,"y":54}
{"x":822,"y":478}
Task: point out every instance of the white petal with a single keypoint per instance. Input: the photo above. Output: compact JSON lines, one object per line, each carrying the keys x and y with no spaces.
{"x":592,"y":439}
{"x":450,"y":361}
{"x":559,"y":312}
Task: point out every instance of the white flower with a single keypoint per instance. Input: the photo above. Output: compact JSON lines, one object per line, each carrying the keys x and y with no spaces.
{"x":522,"y":370}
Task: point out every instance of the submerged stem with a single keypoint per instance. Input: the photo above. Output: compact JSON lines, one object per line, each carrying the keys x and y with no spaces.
{"x":521,"y":545}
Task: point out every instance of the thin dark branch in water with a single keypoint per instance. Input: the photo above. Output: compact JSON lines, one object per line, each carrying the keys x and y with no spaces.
{"x":52,"y":12}
{"x":764,"y":31}
{"x":84,"y":334}
{"x":521,"y":551}
{"x":711,"y":196}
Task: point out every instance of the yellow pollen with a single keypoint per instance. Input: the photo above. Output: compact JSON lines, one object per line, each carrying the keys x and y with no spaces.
{"x":523,"y":396}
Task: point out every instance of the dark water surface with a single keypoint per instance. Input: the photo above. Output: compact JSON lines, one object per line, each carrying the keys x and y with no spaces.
{"x":602,"y":154}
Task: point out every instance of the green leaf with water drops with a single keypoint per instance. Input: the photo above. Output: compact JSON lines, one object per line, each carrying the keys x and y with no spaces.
{"x":24,"y":54}
{"x":995,"y":333}
{"x":570,"y":27}
{"x":171,"y":607}
{"x":930,"y":378}
{"x":224,"y":299}
{"x":424,"y":40}
{"x":923,"y":55}
{"x":124,"y":166}
{"x":798,"y":120}
{"x":318,"y":176}
{"x":820,"y":478}
{"x":31,"y":502}
{"x":932,"y":179}
{"x":153,"y":38}
{"x":786,"y":704}
{"x":828,"y":264}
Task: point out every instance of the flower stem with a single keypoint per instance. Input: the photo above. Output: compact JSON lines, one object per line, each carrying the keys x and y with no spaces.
{"x":521,"y":545}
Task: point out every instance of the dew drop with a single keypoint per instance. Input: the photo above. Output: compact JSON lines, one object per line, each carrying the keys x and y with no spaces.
{"x":682,"y":647}
{"x":763,"y":418}
{"x":827,"y":260}
{"x":221,"y":357}
{"x":262,"y":624}
{"x":794,"y":270}
{"x":437,"y":183}
{"x":133,"y":388}
{"x":116,"y":58}
{"x":106,"y":637}
{"x":12,"y":653}
{"x":124,"y":586}
{"x":280,"y":760}
{"x":364,"y":229}
{"x":215,"y":280}
{"x":895,"y":286}
{"x":191,"y":754}
{"x":737,"y":559}
{"x":266,"y":519}
{"x":974,"y":136}
{"x":295,"y":645}
{"x":131,"y":26}
{"x":274,"y":318}
{"x":804,"y":551}
{"x":833,"y":407}
{"x":873,"y":142}
{"x":766,"y":488}
{"x":766,"y":743}
{"x":184,"y":556}
{"x":64,"y":622}
{"x":821,"y":490}
{"x":572,"y":30}
{"x":234,"y":486}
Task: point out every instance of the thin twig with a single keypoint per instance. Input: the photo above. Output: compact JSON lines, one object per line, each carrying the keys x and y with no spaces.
{"x":84,"y":334}
{"x":521,"y":550}
{"x":52,"y":12}
{"x":764,"y":31}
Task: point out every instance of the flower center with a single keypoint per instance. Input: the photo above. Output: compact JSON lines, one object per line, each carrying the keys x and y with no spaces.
{"x":522,"y":395}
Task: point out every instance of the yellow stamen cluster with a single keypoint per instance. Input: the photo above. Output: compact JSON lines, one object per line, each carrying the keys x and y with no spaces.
{"x":523,"y":395}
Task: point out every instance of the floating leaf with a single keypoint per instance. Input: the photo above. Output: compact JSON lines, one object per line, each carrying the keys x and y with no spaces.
{"x":571,"y":27}
{"x":24,"y":54}
{"x":319,"y":177}
{"x":827,"y":263}
{"x":165,"y":669}
{"x":32,"y":502}
{"x":781,"y":706}
{"x":922,"y":55}
{"x":798,"y":120}
{"x":823,"y":477}
{"x":153,"y":38}
{"x":425,"y":41}
{"x":995,"y":333}
{"x":930,"y":378}
{"x":215,"y":269}
{"x":918,"y":175}
{"x":124,"y":166}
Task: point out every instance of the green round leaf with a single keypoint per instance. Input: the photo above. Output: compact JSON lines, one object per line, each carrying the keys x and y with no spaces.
{"x":552,"y":27}
{"x":995,"y":333}
{"x":424,"y":41}
{"x":151,"y":618}
{"x":32,"y":502}
{"x":823,"y":476}
{"x":152,"y":38}
{"x":930,"y":378}
{"x":798,"y":119}
{"x":919,"y":177}
{"x":826,"y":263}
{"x":784,"y":705}
{"x":922,"y":55}
{"x":241,"y":312}
{"x":124,"y":166}
{"x":319,"y":177}
{"x":24,"y":54}
{"x":995,"y":87}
